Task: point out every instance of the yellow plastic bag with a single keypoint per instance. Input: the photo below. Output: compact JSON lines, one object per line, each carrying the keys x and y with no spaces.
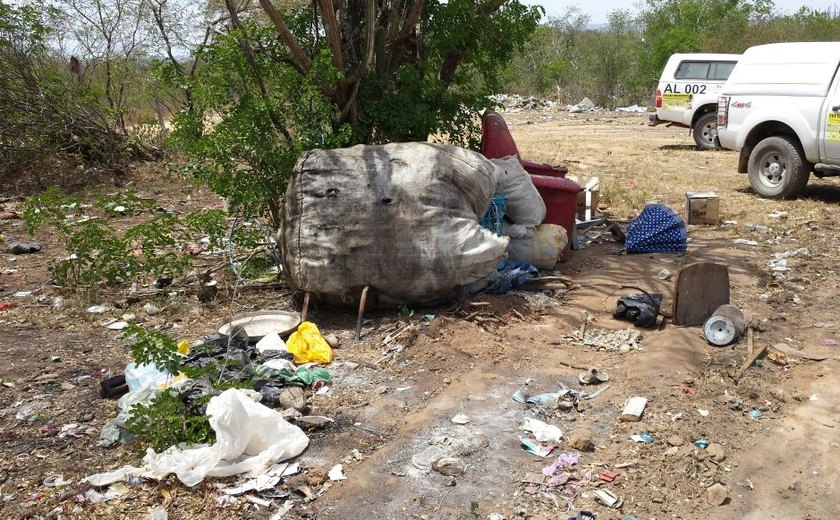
{"x":307,"y":345}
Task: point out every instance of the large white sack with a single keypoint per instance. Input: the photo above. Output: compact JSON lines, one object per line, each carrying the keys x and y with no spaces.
{"x":543,"y":249}
{"x":524,"y":204}
{"x":400,"y":218}
{"x":250,"y":437}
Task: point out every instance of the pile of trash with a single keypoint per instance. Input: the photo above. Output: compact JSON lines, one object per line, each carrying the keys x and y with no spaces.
{"x":585,"y":105}
{"x":253,"y":427}
{"x":516,"y":103}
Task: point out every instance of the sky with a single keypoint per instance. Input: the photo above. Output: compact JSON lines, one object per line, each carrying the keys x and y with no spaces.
{"x":598,"y":9}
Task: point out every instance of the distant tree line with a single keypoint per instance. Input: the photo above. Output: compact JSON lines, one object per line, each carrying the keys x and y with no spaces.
{"x":620,"y":63}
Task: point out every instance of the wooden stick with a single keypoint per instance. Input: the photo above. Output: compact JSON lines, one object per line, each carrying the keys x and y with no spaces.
{"x":750,"y":360}
{"x":582,"y":331}
{"x":571,"y":365}
{"x":749,"y":342}
{"x":362,"y":301}
{"x":305,"y":310}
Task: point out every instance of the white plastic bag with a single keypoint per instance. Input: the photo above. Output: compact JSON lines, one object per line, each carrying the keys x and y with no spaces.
{"x":524,"y":204}
{"x":541,"y":251}
{"x":250,"y":437}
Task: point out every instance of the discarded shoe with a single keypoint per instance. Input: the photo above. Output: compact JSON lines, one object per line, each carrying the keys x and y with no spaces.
{"x":593,"y":377}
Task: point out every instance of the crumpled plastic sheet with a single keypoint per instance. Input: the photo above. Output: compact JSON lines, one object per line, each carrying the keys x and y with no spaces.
{"x":250,"y":437}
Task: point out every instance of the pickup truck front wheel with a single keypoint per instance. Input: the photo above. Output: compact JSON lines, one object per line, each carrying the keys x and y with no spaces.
{"x":777,"y":168}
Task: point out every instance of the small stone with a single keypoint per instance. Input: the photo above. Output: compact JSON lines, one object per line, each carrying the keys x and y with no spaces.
{"x":128,"y":316}
{"x":382,"y":390}
{"x":151,"y":309}
{"x":715,"y":452}
{"x":332,"y":340}
{"x":581,"y":440}
{"x":495,"y":516}
{"x":452,"y":482}
{"x":717,"y":494}
{"x":675,"y":440}
{"x":292,"y":397}
{"x":780,"y":395}
{"x":460,"y":419}
{"x":450,"y":466}
{"x":658,"y":499}
{"x":97,"y":309}
{"x":58,"y":303}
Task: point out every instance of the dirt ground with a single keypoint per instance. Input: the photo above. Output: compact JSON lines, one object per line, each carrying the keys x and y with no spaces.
{"x":397,"y":390}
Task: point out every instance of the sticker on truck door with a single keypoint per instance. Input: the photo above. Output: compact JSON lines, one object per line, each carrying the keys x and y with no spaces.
{"x":832,"y":128}
{"x":676,"y":101}
{"x":688,"y":88}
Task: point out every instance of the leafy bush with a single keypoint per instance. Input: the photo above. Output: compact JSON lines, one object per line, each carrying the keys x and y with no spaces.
{"x":101,"y":255}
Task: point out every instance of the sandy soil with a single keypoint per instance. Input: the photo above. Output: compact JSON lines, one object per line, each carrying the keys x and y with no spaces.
{"x":393,"y":401}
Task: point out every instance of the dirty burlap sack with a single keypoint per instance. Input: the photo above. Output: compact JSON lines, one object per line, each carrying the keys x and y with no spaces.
{"x":524,"y":204}
{"x":401,"y":218}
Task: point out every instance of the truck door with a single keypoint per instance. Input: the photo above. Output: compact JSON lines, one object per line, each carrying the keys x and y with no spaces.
{"x":830,"y":131}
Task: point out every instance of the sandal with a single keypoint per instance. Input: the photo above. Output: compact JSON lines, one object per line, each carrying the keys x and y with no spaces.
{"x":593,"y":377}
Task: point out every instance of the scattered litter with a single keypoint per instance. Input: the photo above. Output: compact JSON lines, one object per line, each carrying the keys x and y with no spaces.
{"x":243,"y":428}
{"x":640,"y":309}
{"x":535,"y":448}
{"x":6,"y":306}
{"x":657,"y":229}
{"x":744,"y":242}
{"x":260,"y":483}
{"x":813,"y":397}
{"x":608,"y":498}
{"x":632,"y":108}
{"x":608,"y":476}
{"x":271,"y":342}
{"x":596,"y":393}
{"x":703,"y":412}
{"x":593,"y":377}
{"x":558,"y":471}
{"x":756,"y":415}
{"x":112,"y":493}
{"x":701,"y":443}
{"x":307,"y":345}
{"x":117,"y":325}
{"x":460,"y":419}
{"x":22,"y":294}
{"x":585,"y":105}
{"x":542,"y":432}
{"x":337,"y":473}
{"x":830,"y":343}
{"x":98,"y":309}
{"x":676,"y":416}
{"x":634,"y":407}
{"x":30,"y":410}
{"x":609,"y":339}
{"x":664,"y":274}
{"x":151,"y":309}
{"x":758,"y":228}
{"x":778,"y":214}
{"x":21,"y":248}
{"x":725,"y":326}
{"x":642,"y":437}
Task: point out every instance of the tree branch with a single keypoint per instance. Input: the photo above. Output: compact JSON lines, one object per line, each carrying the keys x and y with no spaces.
{"x":302,"y":61}
{"x":333,"y":36}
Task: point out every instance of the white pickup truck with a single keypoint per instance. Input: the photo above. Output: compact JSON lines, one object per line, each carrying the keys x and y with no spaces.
{"x":781,"y":109}
{"x":687,"y":93}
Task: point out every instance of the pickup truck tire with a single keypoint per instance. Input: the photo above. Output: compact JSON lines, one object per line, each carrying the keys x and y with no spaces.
{"x":777,"y":168}
{"x":705,"y":132}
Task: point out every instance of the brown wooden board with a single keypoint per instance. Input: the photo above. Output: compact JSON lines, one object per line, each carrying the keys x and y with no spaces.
{"x":700,"y":289}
